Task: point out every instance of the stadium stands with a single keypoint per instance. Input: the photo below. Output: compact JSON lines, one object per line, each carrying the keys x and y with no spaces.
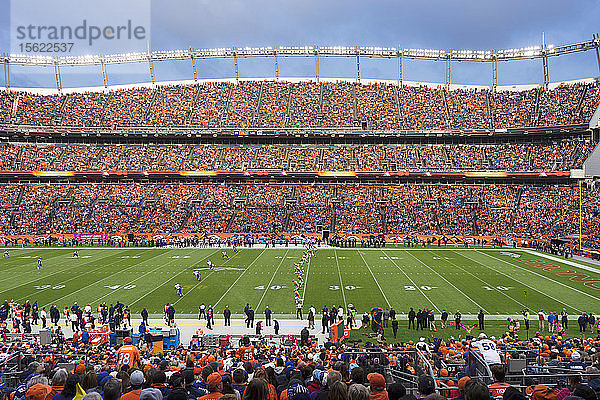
{"x":307,"y":105}
{"x":548,"y":156}
{"x":520,"y":211}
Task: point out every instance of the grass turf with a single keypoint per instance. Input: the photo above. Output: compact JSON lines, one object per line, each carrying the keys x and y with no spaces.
{"x":435,"y":278}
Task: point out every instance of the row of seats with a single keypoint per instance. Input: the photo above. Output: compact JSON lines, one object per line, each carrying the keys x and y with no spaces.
{"x":280,"y":104}
{"x":495,"y":210}
{"x":551,"y":156}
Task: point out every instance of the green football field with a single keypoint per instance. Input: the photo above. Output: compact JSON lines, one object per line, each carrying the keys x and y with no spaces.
{"x":494,"y":280}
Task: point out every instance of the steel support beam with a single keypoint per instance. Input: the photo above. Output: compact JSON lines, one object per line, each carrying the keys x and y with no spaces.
{"x":104,"y":74}
{"x":357,"y":65}
{"x":276,"y":65}
{"x":195,"y":71}
{"x":316,"y":50}
{"x":151,"y":66}
{"x":597,"y":43}
{"x":235,"y":65}
{"x":400,"y":66}
{"x":494,"y":72}
{"x":448,"y":70}
{"x":58,"y":77}
{"x":309,"y":51}
{"x":546,"y":73}
{"x":7,"y":73}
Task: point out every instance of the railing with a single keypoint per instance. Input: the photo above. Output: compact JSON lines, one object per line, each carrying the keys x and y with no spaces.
{"x":268,"y":131}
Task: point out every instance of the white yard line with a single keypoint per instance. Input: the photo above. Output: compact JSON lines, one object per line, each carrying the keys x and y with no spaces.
{"x":203,"y":280}
{"x":482,"y":281}
{"x":59,"y":283}
{"x":170,"y":279}
{"x":103,"y":279}
{"x":450,"y":283}
{"x":194,"y":287}
{"x":369,"y":268}
{"x":564,"y":261}
{"x":341,"y":283}
{"x":273,"y":277}
{"x":242,"y":274}
{"x":545,"y":277}
{"x":519,"y":282}
{"x":15,"y":261}
{"x":413,"y":282}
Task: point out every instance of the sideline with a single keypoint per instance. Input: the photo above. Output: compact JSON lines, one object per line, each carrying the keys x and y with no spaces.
{"x":563,"y":261}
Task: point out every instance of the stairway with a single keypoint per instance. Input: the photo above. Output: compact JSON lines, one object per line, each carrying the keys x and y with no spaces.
{"x":536,"y":111}
{"x":577,"y":113}
{"x":449,"y":122}
{"x":58,"y":119}
{"x":225,"y":113}
{"x":148,"y":109}
{"x":190,"y":113}
{"x":256,"y":112}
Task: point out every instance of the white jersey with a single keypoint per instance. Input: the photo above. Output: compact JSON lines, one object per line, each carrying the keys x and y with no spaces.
{"x":488,"y":350}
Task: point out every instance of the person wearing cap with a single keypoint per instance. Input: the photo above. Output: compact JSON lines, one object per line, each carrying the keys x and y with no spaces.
{"x":226,"y":316}
{"x":541,"y":320}
{"x":564,"y":317}
{"x":395,"y":326}
{"x":540,"y":392}
{"x":151,"y":394}
{"x":444,"y":319}
{"x":297,"y":391}
{"x":461,"y":387}
{"x":411,"y":318}
{"x":457,"y":318}
{"x":480,"y":320}
{"x":315,"y":382}
{"x":136,"y":379}
{"x":128,"y":354}
{"x":38,"y":392}
{"x":144,"y":315}
{"x":576,"y":362}
{"x":444,"y":381}
{"x":377,"y":387}
{"x":80,"y":369}
{"x":214,"y":382}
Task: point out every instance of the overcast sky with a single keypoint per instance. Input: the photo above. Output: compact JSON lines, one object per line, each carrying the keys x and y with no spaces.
{"x":440,"y":24}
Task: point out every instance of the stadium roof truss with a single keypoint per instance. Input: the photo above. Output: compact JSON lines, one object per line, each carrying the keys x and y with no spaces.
{"x":399,"y":53}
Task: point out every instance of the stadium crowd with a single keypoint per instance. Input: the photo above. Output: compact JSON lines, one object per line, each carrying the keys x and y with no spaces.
{"x":518,"y":211}
{"x":81,"y":367}
{"x":307,"y":104}
{"x":549,"y":156}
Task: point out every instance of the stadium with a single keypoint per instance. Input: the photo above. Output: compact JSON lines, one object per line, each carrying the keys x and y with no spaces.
{"x":348,"y":203}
